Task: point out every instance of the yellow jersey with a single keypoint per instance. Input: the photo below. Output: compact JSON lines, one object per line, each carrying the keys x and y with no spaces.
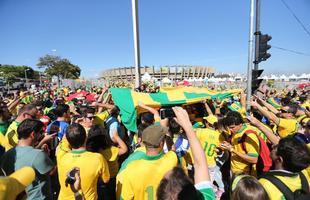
{"x":209,"y":140}
{"x":11,"y":136}
{"x":92,"y":166}
{"x":101,"y":117}
{"x":292,"y":182}
{"x":140,"y":179}
{"x":111,"y":155}
{"x":251,"y":143}
{"x":287,"y":127}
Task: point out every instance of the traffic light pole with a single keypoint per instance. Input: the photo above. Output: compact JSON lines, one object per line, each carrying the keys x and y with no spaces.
{"x":257,"y":34}
{"x":250,"y":58}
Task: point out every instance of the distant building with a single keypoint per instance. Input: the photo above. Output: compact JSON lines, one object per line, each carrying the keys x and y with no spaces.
{"x":177,"y":72}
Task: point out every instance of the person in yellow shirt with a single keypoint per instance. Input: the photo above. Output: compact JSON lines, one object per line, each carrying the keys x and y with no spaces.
{"x":210,"y":140}
{"x":291,"y":157}
{"x":11,"y":136}
{"x":88,"y":117}
{"x":99,"y":141}
{"x":286,"y":123}
{"x":243,"y":159}
{"x":140,"y":178}
{"x":175,"y":184}
{"x":92,"y":165}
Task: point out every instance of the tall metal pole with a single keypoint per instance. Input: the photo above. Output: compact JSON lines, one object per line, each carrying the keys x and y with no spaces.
{"x":257,"y":33}
{"x":135,"y":20}
{"x":250,"y":57}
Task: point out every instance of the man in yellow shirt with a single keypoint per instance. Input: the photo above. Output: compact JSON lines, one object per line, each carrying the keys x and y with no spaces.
{"x":92,"y":165}
{"x":286,"y":123}
{"x":11,"y":137}
{"x":140,"y":178}
{"x":291,"y":157}
{"x":244,"y":153}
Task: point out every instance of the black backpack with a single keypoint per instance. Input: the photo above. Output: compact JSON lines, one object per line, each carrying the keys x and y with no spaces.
{"x":300,"y":194}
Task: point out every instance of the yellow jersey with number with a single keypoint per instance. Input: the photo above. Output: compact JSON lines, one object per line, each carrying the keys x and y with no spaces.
{"x":209,"y":140}
{"x":251,"y":144}
{"x":140,"y":179}
{"x":294,"y":183}
{"x":287,"y":127}
{"x":92,"y":167}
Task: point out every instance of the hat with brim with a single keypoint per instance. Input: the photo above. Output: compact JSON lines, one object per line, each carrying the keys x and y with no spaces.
{"x":153,"y":135}
{"x":11,"y":186}
{"x":211,"y":119}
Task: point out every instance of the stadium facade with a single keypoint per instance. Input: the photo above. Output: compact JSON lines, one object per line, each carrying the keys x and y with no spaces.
{"x":177,"y":72}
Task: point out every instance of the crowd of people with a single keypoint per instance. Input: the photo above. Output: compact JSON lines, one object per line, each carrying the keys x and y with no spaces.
{"x":57,"y":147}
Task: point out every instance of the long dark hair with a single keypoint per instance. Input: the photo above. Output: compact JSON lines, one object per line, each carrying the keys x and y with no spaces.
{"x":98,"y":138}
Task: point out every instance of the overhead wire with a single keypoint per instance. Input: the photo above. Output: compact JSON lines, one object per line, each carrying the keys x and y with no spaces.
{"x":289,"y":50}
{"x":298,"y":20}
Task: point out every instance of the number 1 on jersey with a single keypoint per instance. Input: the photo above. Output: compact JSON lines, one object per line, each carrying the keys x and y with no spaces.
{"x":150,"y":193}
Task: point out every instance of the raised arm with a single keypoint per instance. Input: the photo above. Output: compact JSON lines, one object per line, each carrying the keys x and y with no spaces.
{"x":269,"y":106}
{"x":207,"y":107}
{"x":150,"y":109}
{"x":200,"y":161}
{"x":265,"y":112}
{"x":269,"y":134}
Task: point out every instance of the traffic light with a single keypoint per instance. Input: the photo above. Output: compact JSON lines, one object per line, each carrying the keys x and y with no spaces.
{"x":256,"y":81}
{"x":263,"y":47}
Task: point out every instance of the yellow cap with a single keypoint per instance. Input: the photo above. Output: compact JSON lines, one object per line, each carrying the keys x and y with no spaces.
{"x":211,"y":119}
{"x":13,"y":185}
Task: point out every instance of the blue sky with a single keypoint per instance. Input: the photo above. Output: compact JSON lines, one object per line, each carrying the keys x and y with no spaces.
{"x":97,"y":34}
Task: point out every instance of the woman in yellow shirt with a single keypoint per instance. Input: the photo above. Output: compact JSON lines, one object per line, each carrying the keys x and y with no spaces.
{"x":99,"y":141}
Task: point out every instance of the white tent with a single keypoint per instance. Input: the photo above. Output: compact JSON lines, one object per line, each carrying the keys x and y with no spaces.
{"x":292,"y":77}
{"x":304,"y":76}
{"x":166,"y":80}
{"x":265,"y":77}
{"x":146,"y":77}
{"x":231,"y":79}
{"x":212,"y":79}
{"x":284,"y":78}
{"x":273,"y":77}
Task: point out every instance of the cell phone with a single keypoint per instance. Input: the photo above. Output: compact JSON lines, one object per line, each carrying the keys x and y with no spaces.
{"x":166,"y":113}
{"x":71,"y":177}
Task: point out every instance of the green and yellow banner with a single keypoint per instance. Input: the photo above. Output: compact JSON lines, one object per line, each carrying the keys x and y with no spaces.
{"x":127,"y":100}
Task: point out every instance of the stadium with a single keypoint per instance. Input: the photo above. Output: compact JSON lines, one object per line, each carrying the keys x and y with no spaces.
{"x":177,"y":72}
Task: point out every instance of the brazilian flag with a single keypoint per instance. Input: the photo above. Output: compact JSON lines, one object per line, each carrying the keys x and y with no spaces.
{"x":274,"y":102}
{"x":127,"y":100}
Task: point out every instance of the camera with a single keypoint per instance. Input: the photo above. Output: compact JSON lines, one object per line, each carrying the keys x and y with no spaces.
{"x":71,"y":177}
{"x":166,"y":113}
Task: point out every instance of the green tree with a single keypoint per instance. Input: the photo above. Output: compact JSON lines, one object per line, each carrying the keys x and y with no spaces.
{"x":13,"y":73}
{"x":59,"y":67}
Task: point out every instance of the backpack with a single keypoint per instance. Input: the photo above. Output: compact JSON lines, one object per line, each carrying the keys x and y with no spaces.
{"x":264,"y":161}
{"x":300,"y":194}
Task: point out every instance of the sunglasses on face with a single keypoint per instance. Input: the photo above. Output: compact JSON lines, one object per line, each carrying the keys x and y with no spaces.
{"x":90,"y":118}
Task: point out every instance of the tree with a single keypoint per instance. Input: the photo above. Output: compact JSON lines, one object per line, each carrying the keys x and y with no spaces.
{"x":13,"y":73}
{"x":59,"y":67}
